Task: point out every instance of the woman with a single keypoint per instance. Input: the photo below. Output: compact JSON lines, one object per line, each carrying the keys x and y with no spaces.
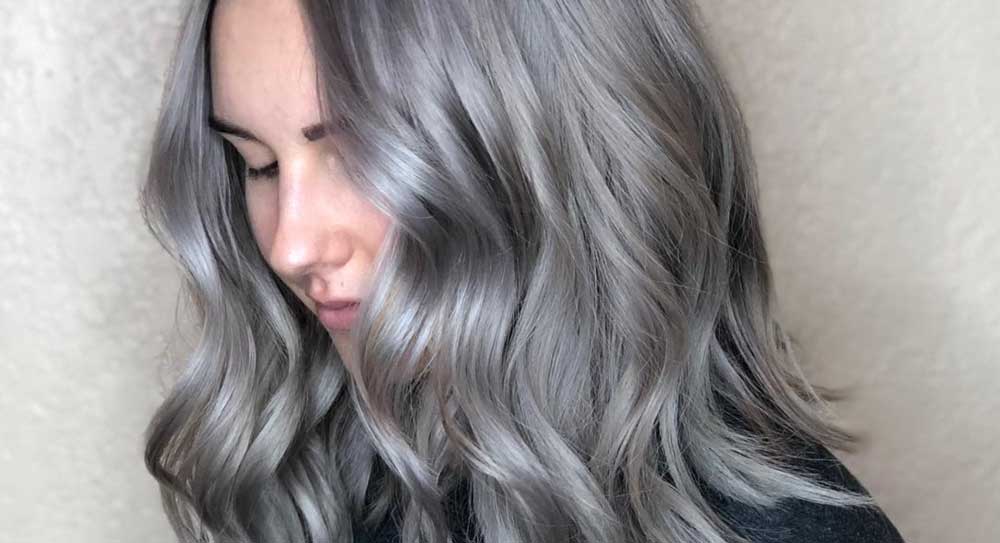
{"x":490,"y":270}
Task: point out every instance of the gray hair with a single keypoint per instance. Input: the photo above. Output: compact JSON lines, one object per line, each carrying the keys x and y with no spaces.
{"x":573,"y":310}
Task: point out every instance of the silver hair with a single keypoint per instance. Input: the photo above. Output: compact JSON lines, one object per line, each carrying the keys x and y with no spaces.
{"x":573,"y":311}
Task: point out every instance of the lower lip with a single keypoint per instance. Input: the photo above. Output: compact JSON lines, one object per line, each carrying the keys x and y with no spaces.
{"x":338,"y":319}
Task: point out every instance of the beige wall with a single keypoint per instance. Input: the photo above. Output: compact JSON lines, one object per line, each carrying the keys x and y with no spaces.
{"x":876,"y":131}
{"x":85,"y":295}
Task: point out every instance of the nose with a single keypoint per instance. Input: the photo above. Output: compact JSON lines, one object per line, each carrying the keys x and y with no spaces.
{"x":311,"y":236}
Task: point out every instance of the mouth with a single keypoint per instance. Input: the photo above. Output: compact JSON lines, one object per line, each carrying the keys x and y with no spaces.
{"x":338,"y":316}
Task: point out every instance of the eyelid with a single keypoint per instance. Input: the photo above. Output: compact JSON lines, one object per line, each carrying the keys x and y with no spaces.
{"x":269,"y":171}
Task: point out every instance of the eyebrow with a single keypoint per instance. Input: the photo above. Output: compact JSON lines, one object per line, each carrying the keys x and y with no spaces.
{"x":312,"y":132}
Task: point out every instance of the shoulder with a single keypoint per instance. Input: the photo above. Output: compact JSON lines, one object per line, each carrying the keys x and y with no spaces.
{"x":795,"y":521}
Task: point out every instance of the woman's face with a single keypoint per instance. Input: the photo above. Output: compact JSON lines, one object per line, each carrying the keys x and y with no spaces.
{"x":317,"y":233}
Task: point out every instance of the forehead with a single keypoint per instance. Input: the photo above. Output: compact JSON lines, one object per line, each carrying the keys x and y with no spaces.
{"x":262,"y":69}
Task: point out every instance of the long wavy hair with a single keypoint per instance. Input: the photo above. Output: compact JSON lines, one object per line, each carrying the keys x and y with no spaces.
{"x":572,"y":313}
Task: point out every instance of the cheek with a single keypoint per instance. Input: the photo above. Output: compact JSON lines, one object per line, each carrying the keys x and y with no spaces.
{"x":377,"y":226}
{"x":261,"y":215}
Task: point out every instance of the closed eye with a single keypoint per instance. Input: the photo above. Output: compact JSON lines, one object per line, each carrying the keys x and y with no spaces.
{"x":269,"y":171}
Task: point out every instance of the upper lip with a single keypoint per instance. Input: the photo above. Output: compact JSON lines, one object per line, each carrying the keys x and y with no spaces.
{"x":335,"y":303}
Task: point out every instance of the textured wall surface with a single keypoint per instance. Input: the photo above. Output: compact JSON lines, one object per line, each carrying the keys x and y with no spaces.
{"x":85,"y":295}
{"x":876,"y":127}
{"x":876,"y":131}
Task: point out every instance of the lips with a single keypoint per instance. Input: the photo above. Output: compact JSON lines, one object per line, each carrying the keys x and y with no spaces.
{"x":338,"y":316}
{"x":338,"y":305}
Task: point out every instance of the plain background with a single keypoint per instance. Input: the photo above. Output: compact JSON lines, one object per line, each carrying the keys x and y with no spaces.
{"x":875,"y":126}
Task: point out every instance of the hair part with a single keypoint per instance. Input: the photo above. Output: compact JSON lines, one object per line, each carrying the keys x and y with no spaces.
{"x":572,"y":312}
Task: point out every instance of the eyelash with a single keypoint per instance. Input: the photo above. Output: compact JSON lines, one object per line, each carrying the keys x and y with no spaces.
{"x":269,"y":171}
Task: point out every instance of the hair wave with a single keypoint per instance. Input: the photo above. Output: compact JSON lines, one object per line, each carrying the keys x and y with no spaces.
{"x":573,"y":312}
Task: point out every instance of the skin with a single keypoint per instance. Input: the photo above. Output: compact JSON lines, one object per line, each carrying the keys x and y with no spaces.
{"x":317,"y":233}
